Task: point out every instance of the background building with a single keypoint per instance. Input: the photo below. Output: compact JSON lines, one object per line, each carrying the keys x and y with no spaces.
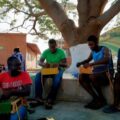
{"x":9,"y":41}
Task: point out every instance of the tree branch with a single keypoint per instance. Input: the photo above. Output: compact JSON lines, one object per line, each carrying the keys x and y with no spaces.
{"x":55,"y":11}
{"x":89,"y":9}
{"x":15,"y":7}
{"x":21,"y":25}
{"x":31,"y":10}
{"x":64,"y":24}
{"x":96,"y":7}
{"x":108,"y":15}
{"x":30,"y":13}
{"x":35,"y":30}
{"x":6,"y":11}
{"x":34,"y":25}
{"x":39,"y":14}
{"x":40,"y":35}
{"x":29,"y":6}
{"x":82,"y":8}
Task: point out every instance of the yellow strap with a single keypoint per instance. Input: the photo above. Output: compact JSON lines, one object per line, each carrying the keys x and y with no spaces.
{"x":17,"y":112}
{"x":86,"y":70}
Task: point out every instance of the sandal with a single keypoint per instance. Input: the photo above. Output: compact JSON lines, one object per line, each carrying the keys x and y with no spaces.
{"x":36,"y":103}
{"x":40,"y":101}
{"x":111,"y":109}
{"x":48,"y":106}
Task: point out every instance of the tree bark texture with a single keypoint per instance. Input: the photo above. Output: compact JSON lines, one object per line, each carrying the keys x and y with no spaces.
{"x":91,"y":19}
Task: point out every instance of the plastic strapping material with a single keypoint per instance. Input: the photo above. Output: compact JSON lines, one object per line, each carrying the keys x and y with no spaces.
{"x":84,"y":70}
{"x":49,"y":71}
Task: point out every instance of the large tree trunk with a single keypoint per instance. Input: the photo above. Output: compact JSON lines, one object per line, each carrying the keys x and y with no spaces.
{"x":91,"y":21}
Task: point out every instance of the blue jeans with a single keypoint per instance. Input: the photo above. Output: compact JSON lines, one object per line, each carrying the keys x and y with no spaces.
{"x":22,"y":114}
{"x":55,"y":85}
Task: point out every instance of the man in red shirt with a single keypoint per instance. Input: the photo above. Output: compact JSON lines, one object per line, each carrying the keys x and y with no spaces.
{"x":15,"y":83}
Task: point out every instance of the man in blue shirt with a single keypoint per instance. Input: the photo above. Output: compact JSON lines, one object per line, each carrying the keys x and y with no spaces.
{"x":93,"y":83}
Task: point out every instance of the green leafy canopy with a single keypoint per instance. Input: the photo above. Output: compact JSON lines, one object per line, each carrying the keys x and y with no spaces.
{"x":31,"y":18}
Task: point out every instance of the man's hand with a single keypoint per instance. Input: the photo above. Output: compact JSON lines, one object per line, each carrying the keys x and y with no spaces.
{"x":45,"y":65}
{"x":63,"y":63}
{"x":54,"y":65}
{"x":86,"y":65}
{"x":78,"y":64}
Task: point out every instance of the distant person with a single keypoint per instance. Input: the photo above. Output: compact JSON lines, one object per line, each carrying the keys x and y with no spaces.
{"x":2,"y":68}
{"x":51,"y":57}
{"x":93,"y":83}
{"x":19,"y":56}
{"x":116,"y":105}
{"x":15,"y":83}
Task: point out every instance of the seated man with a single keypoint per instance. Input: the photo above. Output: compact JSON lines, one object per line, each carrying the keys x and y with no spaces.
{"x":15,"y":83}
{"x":116,"y":105}
{"x":98,"y":79}
{"x":55,"y":57}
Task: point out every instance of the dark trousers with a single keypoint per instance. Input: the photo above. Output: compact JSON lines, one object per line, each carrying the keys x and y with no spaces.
{"x":93,"y":83}
{"x":117,"y":89}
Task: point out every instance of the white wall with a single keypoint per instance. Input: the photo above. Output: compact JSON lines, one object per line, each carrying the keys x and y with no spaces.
{"x":78,"y":53}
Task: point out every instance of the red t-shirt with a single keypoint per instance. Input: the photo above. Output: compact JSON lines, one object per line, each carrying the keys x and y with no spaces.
{"x":7,"y":81}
